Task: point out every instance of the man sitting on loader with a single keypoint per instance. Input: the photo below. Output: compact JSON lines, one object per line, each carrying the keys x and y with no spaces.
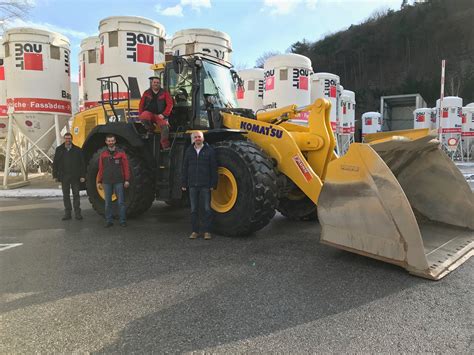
{"x":155,"y":107}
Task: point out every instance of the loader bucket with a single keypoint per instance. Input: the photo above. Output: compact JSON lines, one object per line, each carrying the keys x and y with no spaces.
{"x":402,"y":201}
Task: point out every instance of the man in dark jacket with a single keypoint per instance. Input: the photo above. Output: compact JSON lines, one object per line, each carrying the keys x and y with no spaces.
{"x":155,"y":107}
{"x":113,"y":176}
{"x":200,"y":178}
{"x":69,"y":169}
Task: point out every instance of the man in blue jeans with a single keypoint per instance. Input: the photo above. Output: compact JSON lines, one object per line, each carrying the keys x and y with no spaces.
{"x":200,"y":178}
{"x":113,"y":176}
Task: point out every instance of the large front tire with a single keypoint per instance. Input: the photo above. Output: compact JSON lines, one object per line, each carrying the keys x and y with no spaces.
{"x":298,"y":207}
{"x":139,"y":196}
{"x":246,"y":195}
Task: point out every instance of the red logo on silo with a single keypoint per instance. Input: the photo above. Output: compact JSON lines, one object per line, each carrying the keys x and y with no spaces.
{"x":420,"y":117}
{"x":269,"y":80}
{"x":28,"y":56}
{"x":300,"y":78}
{"x":330,"y":88}
{"x":2,"y":71}
{"x":240,"y":92}
{"x":101,"y":50}
{"x":140,"y":47}
{"x":303,"y":83}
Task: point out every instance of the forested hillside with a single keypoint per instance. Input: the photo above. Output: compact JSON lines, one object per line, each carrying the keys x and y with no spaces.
{"x":400,"y":52}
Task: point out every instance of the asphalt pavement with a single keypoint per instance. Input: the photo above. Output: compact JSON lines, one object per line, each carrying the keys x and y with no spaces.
{"x":75,"y":286}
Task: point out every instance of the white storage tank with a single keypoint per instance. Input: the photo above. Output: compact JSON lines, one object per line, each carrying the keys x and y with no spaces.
{"x":37,"y":73}
{"x":339,"y":110}
{"x":347,"y":109}
{"x":203,"y":41}
{"x":89,"y":71}
{"x":468,"y":122}
{"x":168,"y":47}
{"x":250,"y":95}
{"x":433,"y":118}
{"x":3,"y":94}
{"x":326,"y":85}
{"x":371,"y":123}
{"x":129,"y":46}
{"x":450,"y":122}
{"x":422,"y":118}
{"x":451,"y":115}
{"x":287,"y":81}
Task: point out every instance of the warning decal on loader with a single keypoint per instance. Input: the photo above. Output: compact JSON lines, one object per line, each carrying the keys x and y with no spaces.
{"x":302,"y":167}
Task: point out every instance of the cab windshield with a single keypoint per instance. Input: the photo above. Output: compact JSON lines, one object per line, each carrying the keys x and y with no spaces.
{"x":218,"y":86}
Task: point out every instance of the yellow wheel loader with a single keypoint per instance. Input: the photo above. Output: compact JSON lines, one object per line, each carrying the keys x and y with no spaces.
{"x":397,"y":198}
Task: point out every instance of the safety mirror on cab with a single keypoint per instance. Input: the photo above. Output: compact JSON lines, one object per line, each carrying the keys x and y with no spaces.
{"x":177,"y":65}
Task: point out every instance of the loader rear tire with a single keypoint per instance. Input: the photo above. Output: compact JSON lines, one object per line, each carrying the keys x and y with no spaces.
{"x":246,"y":170}
{"x":139,"y":196}
{"x":298,"y":207}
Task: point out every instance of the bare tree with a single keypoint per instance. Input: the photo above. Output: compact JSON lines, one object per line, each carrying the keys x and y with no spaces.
{"x":261,"y":60}
{"x":455,"y":81}
{"x":241,"y":66}
{"x":13,"y":9}
{"x":378,"y":14}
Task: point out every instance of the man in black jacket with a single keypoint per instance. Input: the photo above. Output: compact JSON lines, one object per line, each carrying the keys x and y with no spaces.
{"x":200,"y":178}
{"x":69,"y":169}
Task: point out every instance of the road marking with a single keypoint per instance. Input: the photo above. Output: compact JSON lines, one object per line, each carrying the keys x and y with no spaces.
{"x":9,"y":246}
{"x":28,"y":207}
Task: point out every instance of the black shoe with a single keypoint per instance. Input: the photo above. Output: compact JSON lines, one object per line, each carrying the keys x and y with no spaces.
{"x":108,"y":225}
{"x":79,"y":217}
{"x":123,"y":224}
{"x":66,"y":217}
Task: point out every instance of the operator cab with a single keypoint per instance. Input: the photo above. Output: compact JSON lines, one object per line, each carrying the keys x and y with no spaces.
{"x":198,"y":86}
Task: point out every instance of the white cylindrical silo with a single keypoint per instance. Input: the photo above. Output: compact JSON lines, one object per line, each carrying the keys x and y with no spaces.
{"x":89,"y":71}
{"x":433,"y":117}
{"x":202,"y":41}
{"x":451,"y":115}
{"x":287,"y":81}
{"x":450,"y":122}
{"x":468,"y":122}
{"x":168,"y":47}
{"x":339,"y":110}
{"x":250,"y":95}
{"x":422,"y":118}
{"x":37,"y":73}
{"x":128,"y":47}
{"x":347,"y":108}
{"x":3,"y":94}
{"x":371,"y":123}
{"x":326,"y":85}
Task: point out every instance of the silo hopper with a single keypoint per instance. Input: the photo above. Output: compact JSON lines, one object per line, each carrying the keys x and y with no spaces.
{"x":399,"y":199}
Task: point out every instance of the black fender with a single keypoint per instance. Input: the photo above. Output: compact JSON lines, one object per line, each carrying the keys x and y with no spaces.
{"x":125,"y":134}
{"x":222,"y":134}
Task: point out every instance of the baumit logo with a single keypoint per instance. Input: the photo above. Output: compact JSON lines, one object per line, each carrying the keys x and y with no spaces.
{"x":28,"y":56}
{"x":140,"y":47}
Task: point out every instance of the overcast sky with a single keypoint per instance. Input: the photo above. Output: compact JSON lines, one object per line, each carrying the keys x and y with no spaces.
{"x":255,"y":26}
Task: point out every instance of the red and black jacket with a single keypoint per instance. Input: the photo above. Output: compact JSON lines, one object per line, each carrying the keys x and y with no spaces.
{"x":164,"y":102}
{"x":113,"y":167}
